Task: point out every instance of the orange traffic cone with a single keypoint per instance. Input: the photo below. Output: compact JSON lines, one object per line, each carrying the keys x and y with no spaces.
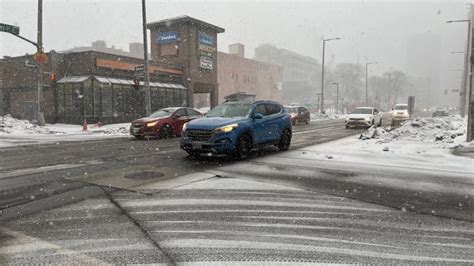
{"x":84,"y":125}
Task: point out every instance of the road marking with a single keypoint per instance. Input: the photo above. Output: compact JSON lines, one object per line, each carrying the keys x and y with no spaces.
{"x":42,"y":169}
{"x":217,"y":243}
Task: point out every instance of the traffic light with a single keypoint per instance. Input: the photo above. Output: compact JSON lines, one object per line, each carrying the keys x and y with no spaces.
{"x":136,"y":83}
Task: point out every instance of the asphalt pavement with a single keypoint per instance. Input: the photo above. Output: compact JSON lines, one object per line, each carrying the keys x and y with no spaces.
{"x":121,"y":201}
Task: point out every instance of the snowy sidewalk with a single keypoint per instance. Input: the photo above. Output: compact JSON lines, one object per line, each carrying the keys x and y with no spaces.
{"x":15,"y":132}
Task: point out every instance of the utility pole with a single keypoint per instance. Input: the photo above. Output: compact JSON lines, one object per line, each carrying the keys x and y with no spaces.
{"x":337,"y":96}
{"x":322,"y":72}
{"x":145,"y":56}
{"x":466,"y":76}
{"x":40,"y":116}
{"x":367,"y":83}
{"x":389,"y":89}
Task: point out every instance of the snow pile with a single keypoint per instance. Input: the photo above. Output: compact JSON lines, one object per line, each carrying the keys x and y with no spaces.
{"x":326,"y":116}
{"x":439,"y":130}
{"x":10,"y":125}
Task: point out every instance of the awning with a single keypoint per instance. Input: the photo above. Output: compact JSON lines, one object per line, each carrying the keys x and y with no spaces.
{"x":79,"y":79}
{"x":73,"y":79}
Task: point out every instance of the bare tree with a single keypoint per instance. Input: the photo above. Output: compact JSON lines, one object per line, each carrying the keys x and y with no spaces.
{"x":350,"y":77}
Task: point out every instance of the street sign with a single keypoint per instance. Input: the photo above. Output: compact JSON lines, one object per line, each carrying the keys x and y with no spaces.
{"x":140,"y":71}
{"x":10,"y":29}
{"x":40,"y":58}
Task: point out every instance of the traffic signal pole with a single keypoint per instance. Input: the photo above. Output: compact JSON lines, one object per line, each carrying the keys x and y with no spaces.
{"x":40,"y":116}
{"x":145,"y":56}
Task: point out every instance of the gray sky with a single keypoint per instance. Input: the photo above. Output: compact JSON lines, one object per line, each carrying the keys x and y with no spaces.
{"x":371,"y":31}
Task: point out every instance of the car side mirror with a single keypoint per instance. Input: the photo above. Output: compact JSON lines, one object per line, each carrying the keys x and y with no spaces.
{"x":257,"y":116}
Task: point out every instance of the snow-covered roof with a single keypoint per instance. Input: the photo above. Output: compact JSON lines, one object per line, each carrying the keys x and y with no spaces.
{"x":80,"y":79}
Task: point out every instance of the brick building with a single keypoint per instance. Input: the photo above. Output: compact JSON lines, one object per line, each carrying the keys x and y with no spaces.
{"x":92,"y":85}
{"x":191,"y":44}
{"x":240,"y":74}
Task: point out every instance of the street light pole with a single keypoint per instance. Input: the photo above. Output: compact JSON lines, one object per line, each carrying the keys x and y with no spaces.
{"x":322,"y":72}
{"x":337,"y":96}
{"x":466,"y":76}
{"x":145,"y":56}
{"x":366,"y":82}
{"x":39,"y":49}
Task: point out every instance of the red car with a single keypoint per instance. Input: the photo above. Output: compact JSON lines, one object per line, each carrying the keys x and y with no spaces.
{"x":299,"y":114}
{"x":164,"y":123}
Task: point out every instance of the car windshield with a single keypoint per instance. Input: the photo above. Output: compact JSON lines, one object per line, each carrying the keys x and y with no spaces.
{"x":230,"y":110}
{"x":162,"y":113}
{"x":401,"y":107}
{"x":365,"y":111}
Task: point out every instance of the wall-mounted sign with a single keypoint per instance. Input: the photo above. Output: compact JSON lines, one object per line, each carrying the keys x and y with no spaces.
{"x":167,"y":37}
{"x":205,"y":63}
{"x":205,"y":39}
{"x":203,"y":53}
{"x":206,"y":48}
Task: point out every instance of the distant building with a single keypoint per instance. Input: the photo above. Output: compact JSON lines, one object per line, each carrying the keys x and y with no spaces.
{"x":240,"y":74}
{"x":301,"y":74}
{"x":424,"y":62}
{"x":135,"y":49}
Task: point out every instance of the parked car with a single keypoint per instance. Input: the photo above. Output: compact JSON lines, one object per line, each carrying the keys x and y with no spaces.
{"x":164,"y":123}
{"x":364,"y":116}
{"x":440,"y":112}
{"x":237,"y":127}
{"x":299,"y":114}
{"x":400,"y":114}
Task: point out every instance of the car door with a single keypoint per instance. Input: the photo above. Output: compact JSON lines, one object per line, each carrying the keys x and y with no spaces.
{"x":261,"y":127}
{"x":274,"y":120}
{"x":377,"y":116}
{"x":179,"y":118}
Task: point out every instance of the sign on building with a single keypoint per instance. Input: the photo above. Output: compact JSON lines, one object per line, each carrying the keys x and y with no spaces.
{"x":206,"y":50}
{"x":205,"y":39}
{"x":205,"y":63}
{"x":167,"y":37}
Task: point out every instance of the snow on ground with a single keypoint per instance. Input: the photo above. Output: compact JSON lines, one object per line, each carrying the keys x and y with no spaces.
{"x":15,"y":132}
{"x":445,"y":132}
{"x":327,"y":116}
{"x":424,"y":143}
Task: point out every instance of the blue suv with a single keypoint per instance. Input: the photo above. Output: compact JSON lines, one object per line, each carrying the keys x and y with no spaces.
{"x":236,"y":128}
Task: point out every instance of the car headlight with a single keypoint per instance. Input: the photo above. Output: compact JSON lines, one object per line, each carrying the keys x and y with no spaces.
{"x":151,"y":124}
{"x":367,"y":119}
{"x":185,"y":125}
{"x":226,"y":129}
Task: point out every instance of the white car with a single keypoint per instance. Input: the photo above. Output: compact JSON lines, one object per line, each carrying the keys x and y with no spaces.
{"x":400,"y":113}
{"x":364,"y":116}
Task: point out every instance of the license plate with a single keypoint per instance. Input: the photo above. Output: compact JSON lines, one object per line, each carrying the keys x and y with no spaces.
{"x":136,"y":130}
{"x":197,"y":146}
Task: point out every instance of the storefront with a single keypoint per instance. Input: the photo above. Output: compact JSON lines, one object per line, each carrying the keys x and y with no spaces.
{"x":111,"y":100}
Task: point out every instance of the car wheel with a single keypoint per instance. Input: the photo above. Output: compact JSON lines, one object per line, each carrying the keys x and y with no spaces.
{"x":347,"y":126}
{"x":307,"y":121}
{"x":166,"y":132}
{"x":138,"y":137}
{"x":380,"y":123}
{"x":194,"y":154}
{"x":285,"y":140}
{"x":243,"y":147}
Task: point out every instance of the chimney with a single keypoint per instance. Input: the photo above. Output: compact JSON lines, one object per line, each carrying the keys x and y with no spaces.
{"x":237,"y":49}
